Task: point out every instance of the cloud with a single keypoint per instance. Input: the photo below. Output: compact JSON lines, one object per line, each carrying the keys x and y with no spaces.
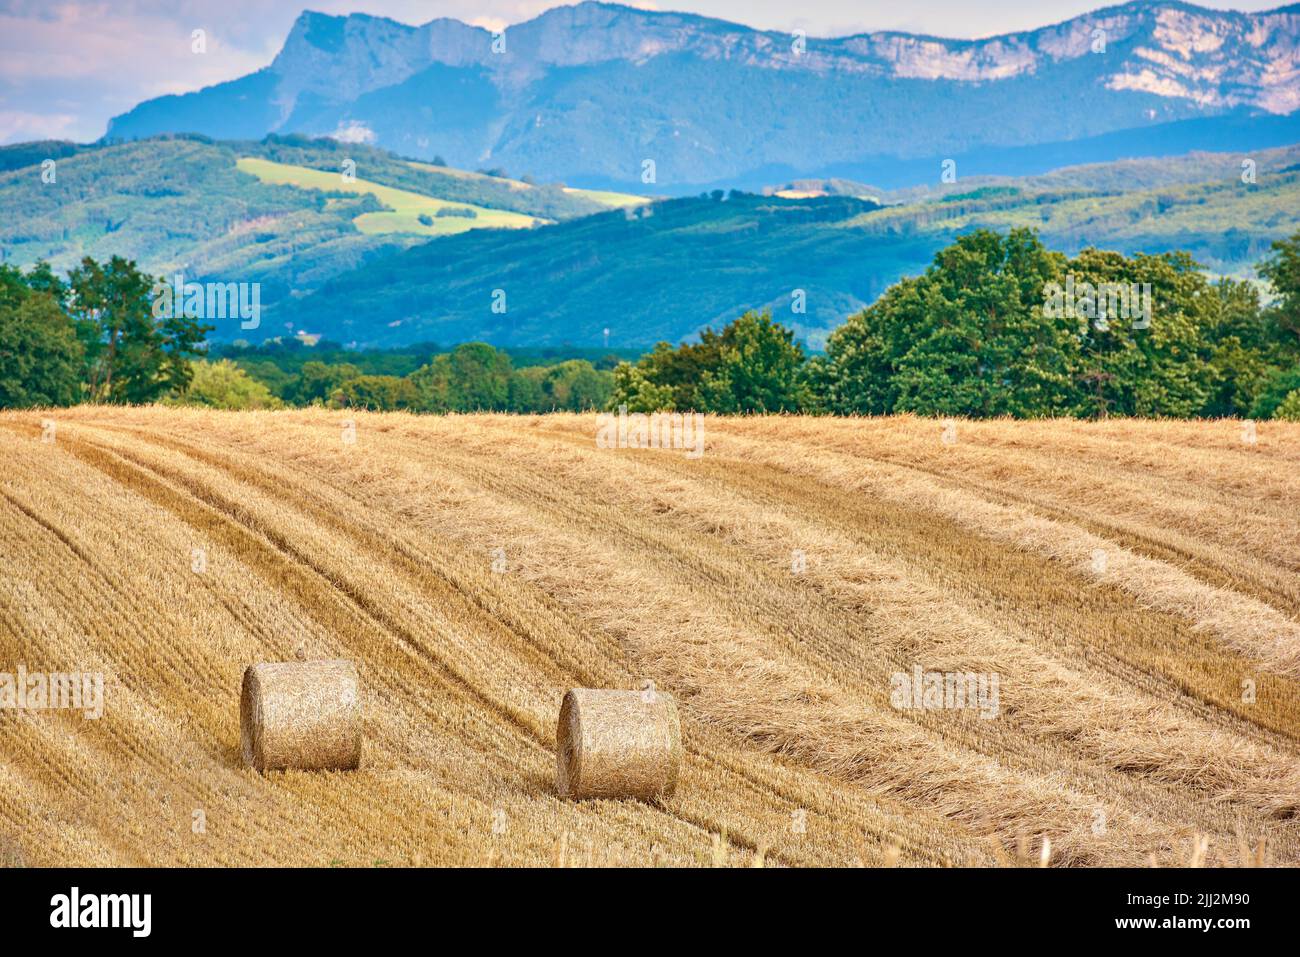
{"x":495,"y":24}
{"x":93,"y":60}
{"x":18,"y":127}
{"x":119,"y":48}
{"x":98,"y":62}
{"x":353,"y":132}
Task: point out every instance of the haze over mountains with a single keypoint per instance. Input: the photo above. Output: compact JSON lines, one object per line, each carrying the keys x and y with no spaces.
{"x":587,"y":93}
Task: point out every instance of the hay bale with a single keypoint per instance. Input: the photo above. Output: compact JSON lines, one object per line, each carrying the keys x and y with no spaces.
{"x":301,"y":714}
{"x":618,"y":744}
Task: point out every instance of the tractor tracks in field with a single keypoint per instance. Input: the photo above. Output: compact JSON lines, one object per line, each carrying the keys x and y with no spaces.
{"x":155,"y":482}
{"x":359,"y":544}
{"x":505,"y":479}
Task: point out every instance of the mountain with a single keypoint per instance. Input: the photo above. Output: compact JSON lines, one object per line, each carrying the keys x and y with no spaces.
{"x":587,"y":93}
{"x":666,"y":271}
{"x":1114,"y":177}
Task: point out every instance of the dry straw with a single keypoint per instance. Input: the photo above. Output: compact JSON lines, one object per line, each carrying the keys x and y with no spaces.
{"x":301,"y":714}
{"x":618,"y":744}
{"x":11,"y":855}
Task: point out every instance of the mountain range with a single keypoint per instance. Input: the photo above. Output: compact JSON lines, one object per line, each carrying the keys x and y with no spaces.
{"x":587,"y":94}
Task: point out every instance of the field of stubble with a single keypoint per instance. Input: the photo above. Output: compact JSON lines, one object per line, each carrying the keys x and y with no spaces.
{"x":1135,"y":586}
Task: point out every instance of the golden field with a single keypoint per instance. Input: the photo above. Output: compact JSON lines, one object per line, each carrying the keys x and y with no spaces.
{"x":1134,"y":585}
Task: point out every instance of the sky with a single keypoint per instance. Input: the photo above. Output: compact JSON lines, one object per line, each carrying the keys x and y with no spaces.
{"x":67,"y":66}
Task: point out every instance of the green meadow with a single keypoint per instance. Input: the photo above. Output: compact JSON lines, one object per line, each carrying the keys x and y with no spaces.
{"x":404,"y":207}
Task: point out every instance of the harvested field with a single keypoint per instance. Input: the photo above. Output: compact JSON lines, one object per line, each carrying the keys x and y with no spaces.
{"x":1134,"y":587}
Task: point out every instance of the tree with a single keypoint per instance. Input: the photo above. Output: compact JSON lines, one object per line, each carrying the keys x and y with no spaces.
{"x":433,"y":384}
{"x":1275,"y":392}
{"x":968,"y":337}
{"x":634,"y":390}
{"x":131,"y":357}
{"x":753,"y":365}
{"x":480,"y":377}
{"x":473,"y":377}
{"x":41,"y":278}
{"x":224,"y":385}
{"x":758,"y":369}
{"x":1282,"y":270}
{"x":857,"y":375}
{"x":380,"y":393}
{"x":528,"y":390}
{"x":999,"y":325}
{"x":1163,"y":369}
{"x":1289,"y":410}
{"x":316,"y":382}
{"x":1242,"y":349}
{"x":576,"y":386}
{"x":41,"y":358}
{"x":182,"y":341}
{"x":682,"y":369}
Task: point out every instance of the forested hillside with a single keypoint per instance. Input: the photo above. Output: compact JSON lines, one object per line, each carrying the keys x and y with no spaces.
{"x":405,"y":251}
{"x":669,"y":270}
{"x":184,"y":203}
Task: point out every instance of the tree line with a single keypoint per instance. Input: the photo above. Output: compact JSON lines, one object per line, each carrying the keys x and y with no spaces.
{"x":974,"y":335}
{"x":473,"y":377}
{"x":93,"y":337}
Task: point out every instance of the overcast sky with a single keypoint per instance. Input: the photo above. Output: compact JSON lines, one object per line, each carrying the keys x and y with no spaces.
{"x":66,"y":67}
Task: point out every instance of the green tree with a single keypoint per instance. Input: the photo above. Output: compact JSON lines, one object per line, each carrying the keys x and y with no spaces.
{"x":317,"y":382}
{"x":473,"y":377}
{"x":1275,"y":391}
{"x":379,"y":393}
{"x":182,"y":342}
{"x":682,"y":369}
{"x":753,"y":365}
{"x":132,"y":356}
{"x":968,"y":337}
{"x":41,"y":278}
{"x":1282,"y":270}
{"x":1242,"y":350}
{"x":433,"y":384}
{"x":758,"y":369}
{"x":1163,"y":369}
{"x":528,"y":390}
{"x":982,"y":333}
{"x":41,"y":357}
{"x":634,"y":389}
{"x":480,"y":377}
{"x":576,"y":386}
{"x":1289,"y":409}
{"x":857,"y":375}
{"x":224,"y":385}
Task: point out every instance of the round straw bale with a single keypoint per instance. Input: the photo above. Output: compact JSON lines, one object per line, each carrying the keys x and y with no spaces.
{"x":618,"y":744}
{"x":301,"y":714}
